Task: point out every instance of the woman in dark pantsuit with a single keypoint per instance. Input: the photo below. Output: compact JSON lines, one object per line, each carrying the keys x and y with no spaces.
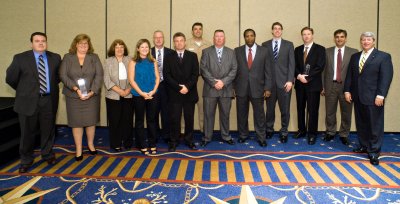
{"x":82,"y":75}
{"x":118,"y":96}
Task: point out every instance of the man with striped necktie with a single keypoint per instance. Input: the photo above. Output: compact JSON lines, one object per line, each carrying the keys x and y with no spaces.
{"x":369,"y":75}
{"x":34,"y":76}
{"x":281,"y":59}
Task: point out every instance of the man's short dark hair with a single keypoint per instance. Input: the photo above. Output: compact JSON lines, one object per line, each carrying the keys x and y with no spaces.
{"x":179,"y":34}
{"x":278,"y":24}
{"x":340,"y":31}
{"x":197,"y":24}
{"x":307,"y":28}
{"x":38,"y":33}
{"x":249,"y":30}
{"x":219,"y":31}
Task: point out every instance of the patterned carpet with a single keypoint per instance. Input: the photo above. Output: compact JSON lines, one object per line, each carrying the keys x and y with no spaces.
{"x":280,"y":173}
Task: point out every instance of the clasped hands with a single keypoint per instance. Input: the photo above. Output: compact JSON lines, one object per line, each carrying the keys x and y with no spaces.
{"x":82,"y":97}
{"x":219,"y":84}
{"x":302,"y":78}
{"x":148,"y":95}
{"x":184,"y":89}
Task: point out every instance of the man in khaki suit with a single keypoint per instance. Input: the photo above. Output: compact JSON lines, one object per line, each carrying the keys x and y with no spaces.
{"x":337,"y":61}
{"x":196,"y":44}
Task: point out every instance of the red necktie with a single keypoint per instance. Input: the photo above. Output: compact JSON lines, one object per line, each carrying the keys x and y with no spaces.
{"x":249,"y":59}
{"x":339,"y":66}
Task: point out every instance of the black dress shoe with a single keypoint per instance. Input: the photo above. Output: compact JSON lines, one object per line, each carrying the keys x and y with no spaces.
{"x":24,"y":168}
{"x":344,"y":140}
{"x":374,"y":160}
{"x":328,"y":137}
{"x":360,"y":150}
{"x":117,"y":149}
{"x":51,"y":160}
{"x":241,"y":140}
{"x":79,"y":158}
{"x":230,"y":142}
{"x":268,"y":135}
{"x":92,"y":152}
{"x":299,"y":135}
{"x":204,"y":143}
{"x":262,"y":143}
{"x":311,"y":140}
{"x":192,"y":146}
{"x":283,"y":138}
{"x":172,"y":147}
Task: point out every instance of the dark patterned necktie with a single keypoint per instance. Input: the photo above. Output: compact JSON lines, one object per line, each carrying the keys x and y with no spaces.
{"x":276,"y":50}
{"x":42,"y":75}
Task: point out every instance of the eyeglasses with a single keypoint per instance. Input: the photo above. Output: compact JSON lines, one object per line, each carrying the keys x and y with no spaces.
{"x":83,"y":43}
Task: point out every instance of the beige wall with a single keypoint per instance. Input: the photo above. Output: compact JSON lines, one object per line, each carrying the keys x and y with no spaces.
{"x":131,"y":20}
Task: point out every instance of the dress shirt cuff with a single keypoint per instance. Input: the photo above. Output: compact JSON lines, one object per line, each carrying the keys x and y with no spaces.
{"x":379,"y":96}
{"x":346,"y":92}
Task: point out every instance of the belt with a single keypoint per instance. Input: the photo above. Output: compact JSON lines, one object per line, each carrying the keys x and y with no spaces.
{"x":339,"y":82}
{"x":44,"y":94}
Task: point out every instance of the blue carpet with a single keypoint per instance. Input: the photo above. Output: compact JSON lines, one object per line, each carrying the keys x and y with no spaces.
{"x":327,"y":172}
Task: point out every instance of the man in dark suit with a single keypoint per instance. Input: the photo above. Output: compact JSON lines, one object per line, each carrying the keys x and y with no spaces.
{"x":281,"y":59}
{"x":369,"y":75}
{"x":252,"y":85}
{"x":310,"y":62}
{"x":181,"y":71}
{"x":160,"y":52}
{"x":337,"y":60}
{"x":34,"y":76}
{"x":218,"y":68}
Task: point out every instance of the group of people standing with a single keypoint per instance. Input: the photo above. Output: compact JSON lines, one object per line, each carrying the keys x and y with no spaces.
{"x":162,"y":82}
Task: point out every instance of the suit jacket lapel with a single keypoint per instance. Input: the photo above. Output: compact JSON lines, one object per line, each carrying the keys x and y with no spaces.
{"x":33,"y":64}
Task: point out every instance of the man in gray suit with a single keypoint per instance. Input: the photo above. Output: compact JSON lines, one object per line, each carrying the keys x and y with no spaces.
{"x":252,"y":85}
{"x":281,"y":59}
{"x":337,"y":61}
{"x":218,"y":68}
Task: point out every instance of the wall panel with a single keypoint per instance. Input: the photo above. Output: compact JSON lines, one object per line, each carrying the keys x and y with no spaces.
{"x":389,"y":29}
{"x":19,"y":19}
{"x":132,"y":20}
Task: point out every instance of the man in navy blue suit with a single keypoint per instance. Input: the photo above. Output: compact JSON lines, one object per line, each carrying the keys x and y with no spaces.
{"x":369,"y":75}
{"x":160,"y":52}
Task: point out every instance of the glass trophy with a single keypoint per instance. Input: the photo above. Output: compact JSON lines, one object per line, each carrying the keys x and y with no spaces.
{"x":307,"y":69}
{"x":82,"y":87}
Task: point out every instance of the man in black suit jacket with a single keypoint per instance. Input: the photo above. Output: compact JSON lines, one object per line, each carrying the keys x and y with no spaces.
{"x":281,"y":59}
{"x":369,"y":75}
{"x":310,"y":62}
{"x":252,"y":84}
{"x":36,"y":99}
{"x":160,"y":52}
{"x":181,"y":71}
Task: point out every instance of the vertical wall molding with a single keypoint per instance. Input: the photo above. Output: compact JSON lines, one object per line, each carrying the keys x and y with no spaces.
{"x":45,"y":22}
{"x":106,"y":28}
{"x":377,"y":25}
